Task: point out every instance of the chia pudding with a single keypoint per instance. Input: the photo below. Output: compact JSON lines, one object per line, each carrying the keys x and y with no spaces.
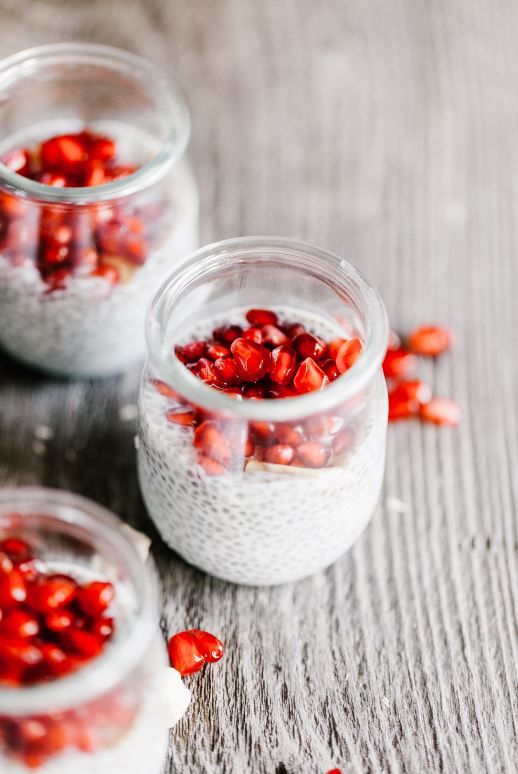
{"x":77,"y":307}
{"x":293,"y":495}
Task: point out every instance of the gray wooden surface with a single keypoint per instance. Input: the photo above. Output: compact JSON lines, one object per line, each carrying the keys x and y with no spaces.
{"x":386,"y":130}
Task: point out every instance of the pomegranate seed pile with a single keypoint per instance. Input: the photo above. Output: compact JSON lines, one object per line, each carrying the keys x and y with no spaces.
{"x":50,"y":625}
{"x":409,"y":396}
{"x":189,"y":651}
{"x":108,"y":241}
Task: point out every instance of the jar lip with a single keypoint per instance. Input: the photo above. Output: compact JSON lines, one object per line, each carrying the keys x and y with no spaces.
{"x":216,"y":255}
{"x":107,"y":670}
{"x":172,"y":102}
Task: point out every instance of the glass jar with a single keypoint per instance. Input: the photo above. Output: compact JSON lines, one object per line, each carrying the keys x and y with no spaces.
{"x":108,"y":715}
{"x":213,"y":492}
{"x":78,"y":264}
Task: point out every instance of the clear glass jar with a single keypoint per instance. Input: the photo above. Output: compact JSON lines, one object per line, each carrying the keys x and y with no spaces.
{"x":107,"y":716}
{"x":254,"y":522}
{"x":78,"y":265}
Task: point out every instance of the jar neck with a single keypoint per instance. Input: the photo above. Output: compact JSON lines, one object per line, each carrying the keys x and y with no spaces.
{"x":334,"y":280}
{"x":69,"y":516}
{"x":67,"y":59}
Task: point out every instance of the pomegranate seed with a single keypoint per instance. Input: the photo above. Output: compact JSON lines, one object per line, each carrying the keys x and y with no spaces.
{"x":62,"y":152}
{"x":13,"y":589}
{"x":334,"y":346}
{"x":19,"y":623}
{"x":190,"y":353}
{"x":430,"y":340}
{"x":283,"y":364}
{"x":343,"y":441}
{"x":211,"y":648}
{"x":253,"y":391}
{"x":210,"y":466}
{"x":252,"y":360}
{"x":307,"y":345}
{"x":263,"y":432}
{"x":6,"y":564}
{"x":329,"y":368}
{"x":313,"y":454}
{"x":16,"y":549}
{"x":226,"y":371}
{"x":273,"y":336}
{"x":95,"y":597}
{"x":51,"y":593}
{"x":215,"y":351}
{"x":164,"y":389}
{"x":102,"y":148}
{"x":183,"y":417}
{"x":398,"y":363}
{"x":261,"y":317}
{"x":309,"y":377}
{"x":320,"y":426}
{"x":441,"y":411}
{"x":185,"y":654}
{"x":109,"y":273}
{"x":94,"y":173}
{"x":227,"y":333}
{"x":82,"y":642}
{"x":401,"y":406}
{"x":204,"y":370}
{"x":17,"y":160}
{"x":59,"y":620}
{"x":278,"y":391}
{"x":348,"y":354}
{"x":19,"y":650}
{"x":415,"y":390}
{"x":52,"y":178}
{"x":294,"y":329}
{"x":287,"y":434}
{"x":103,"y":628}
{"x":280,"y":454}
{"x":211,"y":440}
{"x":253,"y":334}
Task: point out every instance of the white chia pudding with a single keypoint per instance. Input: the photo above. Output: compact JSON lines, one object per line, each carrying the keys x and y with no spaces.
{"x":265,"y":524}
{"x":90,"y":328}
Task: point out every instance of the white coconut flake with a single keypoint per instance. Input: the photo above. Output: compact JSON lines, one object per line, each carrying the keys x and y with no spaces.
{"x":396,"y":505}
{"x":178,"y":696}
{"x":43,"y":432}
{"x":128,"y":413}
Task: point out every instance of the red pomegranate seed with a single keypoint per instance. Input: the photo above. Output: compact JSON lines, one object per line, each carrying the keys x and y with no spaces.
{"x":18,"y":160}
{"x":96,"y":597}
{"x":6,"y":564}
{"x":273,"y":336}
{"x":294,"y":329}
{"x":164,"y":389}
{"x":185,"y":653}
{"x":82,"y":642}
{"x":226,"y":334}
{"x":109,"y":273}
{"x":19,"y":623}
{"x":28,"y":569}
{"x":307,"y":345}
{"x":253,"y":391}
{"x":190,"y":353}
{"x":282,"y":365}
{"x":16,"y":549}
{"x":278,"y":391}
{"x":430,"y":340}
{"x":415,"y":389}
{"x":399,"y":363}
{"x":213,"y":442}
{"x":261,"y":317}
{"x":226,"y":371}
{"x":94,"y":173}
{"x":52,"y":178}
{"x":348,"y":354}
{"x":253,"y":334}
{"x":204,"y":370}
{"x":183,"y":417}
{"x":441,"y":411}
{"x":103,"y":628}
{"x":329,"y":368}
{"x":252,"y":360}
{"x":51,"y":592}
{"x":343,"y":441}
{"x":59,"y":620}
{"x":263,"y":432}
{"x":287,"y":434}
{"x":102,"y":148}
{"x":210,"y":466}
{"x":313,"y":454}
{"x":334,"y":346}
{"x":309,"y":377}
{"x":322,"y":426}
{"x":19,"y":651}
{"x":211,"y":648}
{"x":62,"y":152}
{"x":401,"y":406}
{"x":280,"y":454}
{"x":215,"y":351}
{"x":13,"y":589}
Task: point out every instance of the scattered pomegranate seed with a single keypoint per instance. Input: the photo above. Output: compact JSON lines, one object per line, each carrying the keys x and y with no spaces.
{"x":164,"y":389}
{"x":209,"y":646}
{"x":109,"y":273}
{"x":309,"y":377}
{"x":252,"y":360}
{"x":430,"y":340}
{"x":190,"y":650}
{"x":441,"y":411}
{"x":261,"y":317}
{"x":399,"y":364}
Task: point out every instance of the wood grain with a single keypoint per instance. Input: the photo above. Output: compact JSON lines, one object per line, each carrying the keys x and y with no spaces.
{"x":386,"y":131}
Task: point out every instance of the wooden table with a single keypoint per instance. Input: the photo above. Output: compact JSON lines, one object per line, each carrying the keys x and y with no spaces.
{"x":386,"y":131}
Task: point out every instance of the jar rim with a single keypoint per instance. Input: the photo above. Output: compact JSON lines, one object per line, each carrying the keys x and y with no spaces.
{"x":115,"y":662}
{"x":242,"y":249}
{"x":171,"y":102}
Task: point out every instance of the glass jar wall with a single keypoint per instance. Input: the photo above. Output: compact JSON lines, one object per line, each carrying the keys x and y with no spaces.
{"x":97,"y":201}
{"x":211,"y":473}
